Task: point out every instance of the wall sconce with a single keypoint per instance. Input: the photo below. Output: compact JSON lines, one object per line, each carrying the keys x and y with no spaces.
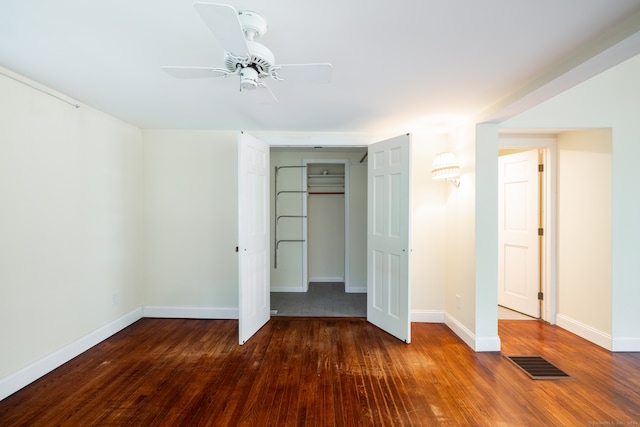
{"x":445,"y":166}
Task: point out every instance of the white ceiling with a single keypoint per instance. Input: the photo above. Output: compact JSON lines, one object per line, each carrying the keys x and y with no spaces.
{"x":395,"y":64}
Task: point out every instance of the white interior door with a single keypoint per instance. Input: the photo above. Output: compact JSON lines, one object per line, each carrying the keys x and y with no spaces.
{"x":388,"y":236}
{"x":519,"y":243}
{"x":253,"y":235}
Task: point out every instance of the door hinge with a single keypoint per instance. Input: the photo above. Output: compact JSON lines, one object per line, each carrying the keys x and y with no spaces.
{"x":540,"y":231}
{"x":540,"y":168}
{"x":540,"y":296}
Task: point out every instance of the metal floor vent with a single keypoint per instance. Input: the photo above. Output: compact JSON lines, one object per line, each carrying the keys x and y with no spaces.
{"x":538,"y":368}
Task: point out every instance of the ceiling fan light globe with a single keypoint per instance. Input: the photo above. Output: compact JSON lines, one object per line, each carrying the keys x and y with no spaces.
{"x":248,"y":84}
{"x":248,"y":79}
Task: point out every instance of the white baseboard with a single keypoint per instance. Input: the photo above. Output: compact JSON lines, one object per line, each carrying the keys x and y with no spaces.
{"x":359,"y":289}
{"x":427,"y":316}
{"x":485,"y":344}
{"x":326,"y":279}
{"x":585,"y":331}
{"x":287,"y":289}
{"x":190,"y":312}
{"x":460,"y":330}
{"x":625,"y":344}
{"x":478,"y":344}
{"x":28,"y":374}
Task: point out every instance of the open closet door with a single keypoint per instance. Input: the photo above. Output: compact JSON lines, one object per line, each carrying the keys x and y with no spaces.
{"x":253,"y":235}
{"x":388,"y":236}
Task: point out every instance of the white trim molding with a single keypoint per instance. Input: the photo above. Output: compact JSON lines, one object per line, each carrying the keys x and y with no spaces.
{"x":326,"y":279}
{"x":478,"y":344}
{"x":460,"y":330}
{"x":287,"y":289}
{"x":625,"y":344}
{"x":587,"y":332}
{"x":190,"y":312}
{"x":32,"y":372}
{"x":486,"y":344}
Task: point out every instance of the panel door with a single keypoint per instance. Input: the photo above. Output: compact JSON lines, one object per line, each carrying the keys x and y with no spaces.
{"x":388,"y":296}
{"x":519,"y":243}
{"x":253,"y":235}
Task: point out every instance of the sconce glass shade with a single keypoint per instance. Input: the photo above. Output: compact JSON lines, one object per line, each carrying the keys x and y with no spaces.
{"x":446,"y":166}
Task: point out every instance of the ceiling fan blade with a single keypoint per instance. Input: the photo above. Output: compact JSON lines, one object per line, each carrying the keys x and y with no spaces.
{"x":224,"y":23}
{"x":273,"y":95}
{"x":306,"y":73}
{"x":195,"y":72}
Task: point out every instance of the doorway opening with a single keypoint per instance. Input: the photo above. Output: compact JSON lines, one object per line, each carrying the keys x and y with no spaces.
{"x":387,"y":224}
{"x":578,"y":228}
{"x":527,"y":227}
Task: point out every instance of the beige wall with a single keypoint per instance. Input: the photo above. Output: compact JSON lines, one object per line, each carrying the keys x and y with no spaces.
{"x":429,"y":245}
{"x":584,"y":228}
{"x":69,"y":251}
{"x":190,"y":204}
{"x":326,"y":236}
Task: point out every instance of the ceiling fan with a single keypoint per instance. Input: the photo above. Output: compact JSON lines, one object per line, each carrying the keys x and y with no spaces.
{"x":244,"y":57}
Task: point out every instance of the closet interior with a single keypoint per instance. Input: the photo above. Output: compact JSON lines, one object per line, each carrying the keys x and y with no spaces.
{"x":318,"y":222}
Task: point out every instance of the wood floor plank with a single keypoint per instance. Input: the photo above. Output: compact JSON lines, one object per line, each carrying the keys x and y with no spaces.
{"x":327,"y":372}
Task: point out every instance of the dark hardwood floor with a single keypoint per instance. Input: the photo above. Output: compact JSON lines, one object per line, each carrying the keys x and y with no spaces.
{"x":328,"y":372}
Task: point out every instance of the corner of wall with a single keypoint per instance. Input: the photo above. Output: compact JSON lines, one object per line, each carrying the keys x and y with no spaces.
{"x":478,"y":344}
{"x":30,"y":373}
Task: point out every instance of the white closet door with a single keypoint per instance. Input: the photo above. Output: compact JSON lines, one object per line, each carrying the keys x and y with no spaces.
{"x":388,"y":296}
{"x":253,"y":235}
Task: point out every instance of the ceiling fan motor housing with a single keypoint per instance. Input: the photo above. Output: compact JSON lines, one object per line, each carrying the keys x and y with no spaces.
{"x":260,"y":58}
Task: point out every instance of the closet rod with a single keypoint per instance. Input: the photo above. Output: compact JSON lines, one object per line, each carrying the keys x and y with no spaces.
{"x":326,"y":192}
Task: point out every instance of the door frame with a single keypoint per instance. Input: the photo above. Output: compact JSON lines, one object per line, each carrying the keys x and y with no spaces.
{"x":549,"y":273}
{"x":347,"y":217}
